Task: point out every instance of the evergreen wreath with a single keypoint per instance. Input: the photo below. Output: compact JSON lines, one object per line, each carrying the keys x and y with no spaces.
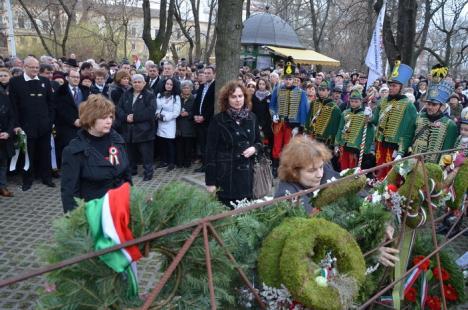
{"x":92,"y":285}
{"x":304,"y":243}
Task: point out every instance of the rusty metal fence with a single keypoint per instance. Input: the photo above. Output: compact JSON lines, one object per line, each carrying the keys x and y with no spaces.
{"x":205,"y":228}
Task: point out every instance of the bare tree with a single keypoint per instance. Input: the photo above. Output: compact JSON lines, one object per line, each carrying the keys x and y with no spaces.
{"x":228,"y":31}
{"x":450,"y":45}
{"x":54,"y":32}
{"x":210,"y":34}
{"x":319,"y":13}
{"x":403,"y":46}
{"x":158,"y":46}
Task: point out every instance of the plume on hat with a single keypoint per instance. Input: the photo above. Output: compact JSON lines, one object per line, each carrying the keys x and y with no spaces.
{"x":439,"y":71}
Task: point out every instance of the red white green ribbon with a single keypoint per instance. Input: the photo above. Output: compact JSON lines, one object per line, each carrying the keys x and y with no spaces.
{"x":109,"y":220}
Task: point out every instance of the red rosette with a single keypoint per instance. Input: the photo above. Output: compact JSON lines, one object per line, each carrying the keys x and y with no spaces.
{"x":445,"y":274}
{"x":411,"y":294}
{"x":392,"y":188}
{"x":450,"y":293}
{"x":425,"y":266}
{"x":433,"y":303}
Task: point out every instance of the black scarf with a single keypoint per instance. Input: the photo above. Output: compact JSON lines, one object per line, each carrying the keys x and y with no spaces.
{"x":238,"y":115}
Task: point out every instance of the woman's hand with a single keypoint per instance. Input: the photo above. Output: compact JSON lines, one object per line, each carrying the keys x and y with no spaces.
{"x":249,"y":152}
{"x":211,"y":188}
{"x":387,"y":256}
{"x":4,"y":135}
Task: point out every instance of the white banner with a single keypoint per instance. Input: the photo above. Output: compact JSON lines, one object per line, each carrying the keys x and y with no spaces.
{"x":376,"y":48}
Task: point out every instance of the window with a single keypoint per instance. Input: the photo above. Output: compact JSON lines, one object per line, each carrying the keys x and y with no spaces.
{"x":133,"y":31}
{"x":45,"y":25}
{"x":20,"y":22}
{"x":133,"y":46}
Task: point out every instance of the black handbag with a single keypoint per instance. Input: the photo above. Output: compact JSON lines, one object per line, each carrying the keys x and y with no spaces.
{"x":262,"y":176}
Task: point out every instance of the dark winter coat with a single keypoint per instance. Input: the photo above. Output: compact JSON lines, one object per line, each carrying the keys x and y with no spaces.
{"x":143,"y":110}
{"x":96,"y":91}
{"x":154,"y":88}
{"x":88,"y":175}
{"x":261,"y":109}
{"x":32,"y":102}
{"x":185,"y":126}
{"x":66,"y":113}
{"x":115,"y":92}
{"x":7,"y":123}
{"x":226,"y":167}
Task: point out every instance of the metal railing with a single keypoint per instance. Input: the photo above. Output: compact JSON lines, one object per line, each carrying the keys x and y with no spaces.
{"x":204,"y":226}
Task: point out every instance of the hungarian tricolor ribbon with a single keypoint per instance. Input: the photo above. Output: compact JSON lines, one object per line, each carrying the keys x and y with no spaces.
{"x":423,"y":289}
{"x":109,"y":220}
{"x":114,"y":155}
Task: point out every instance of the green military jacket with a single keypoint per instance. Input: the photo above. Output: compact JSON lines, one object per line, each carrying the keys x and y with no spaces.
{"x":323,"y":120}
{"x":460,"y":144}
{"x":351,"y":130}
{"x":434,"y":135}
{"x":395,"y":118}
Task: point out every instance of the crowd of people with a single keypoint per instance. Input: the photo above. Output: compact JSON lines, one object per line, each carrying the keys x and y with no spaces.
{"x":91,"y":123}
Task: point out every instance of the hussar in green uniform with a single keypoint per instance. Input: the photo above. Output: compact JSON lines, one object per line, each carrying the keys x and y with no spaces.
{"x":355,"y":134}
{"x":324,"y":117}
{"x":395,"y":118}
{"x":435,"y":131}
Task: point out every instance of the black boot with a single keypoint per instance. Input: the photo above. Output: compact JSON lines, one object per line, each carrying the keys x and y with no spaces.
{"x":274,"y":168}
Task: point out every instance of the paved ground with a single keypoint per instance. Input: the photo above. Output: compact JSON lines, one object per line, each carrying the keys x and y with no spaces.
{"x":25,"y":223}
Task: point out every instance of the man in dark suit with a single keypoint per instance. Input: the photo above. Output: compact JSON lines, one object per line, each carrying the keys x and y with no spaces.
{"x":168,"y":72}
{"x":31,"y":97}
{"x":67,"y":100}
{"x":204,"y":110}
{"x":152,"y":80}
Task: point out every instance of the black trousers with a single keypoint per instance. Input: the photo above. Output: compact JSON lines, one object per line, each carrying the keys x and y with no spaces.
{"x":201,"y":131}
{"x":39,"y":159}
{"x":141,"y":151}
{"x":168,"y":150}
{"x":184,"y":149}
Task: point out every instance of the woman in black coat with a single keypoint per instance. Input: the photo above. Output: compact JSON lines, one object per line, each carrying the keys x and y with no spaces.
{"x":135,"y":113}
{"x":7,"y":122}
{"x":261,"y":108}
{"x":185,"y":130}
{"x":96,"y":161}
{"x":233,"y":140}
{"x":116,"y":90}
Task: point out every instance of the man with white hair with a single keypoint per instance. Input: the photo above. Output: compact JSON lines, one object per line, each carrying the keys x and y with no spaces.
{"x":31,"y":96}
{"x":135,"y":111}
{"x":274,"y":79}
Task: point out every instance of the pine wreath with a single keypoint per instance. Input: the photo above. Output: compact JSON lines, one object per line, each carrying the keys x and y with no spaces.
{"x":93,"y":285}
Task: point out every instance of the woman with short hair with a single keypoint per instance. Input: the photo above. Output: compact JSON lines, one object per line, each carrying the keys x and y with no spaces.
{"x":185,"y":131}
{"x":96,"y":161}
{"x":304,"y":163}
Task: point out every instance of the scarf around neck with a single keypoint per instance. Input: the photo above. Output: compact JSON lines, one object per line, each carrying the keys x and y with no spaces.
{"x":262,"y":94}
{"x":238,"y":115}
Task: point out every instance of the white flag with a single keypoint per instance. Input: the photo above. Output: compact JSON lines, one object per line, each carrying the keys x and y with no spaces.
{"x":376,"y":48}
